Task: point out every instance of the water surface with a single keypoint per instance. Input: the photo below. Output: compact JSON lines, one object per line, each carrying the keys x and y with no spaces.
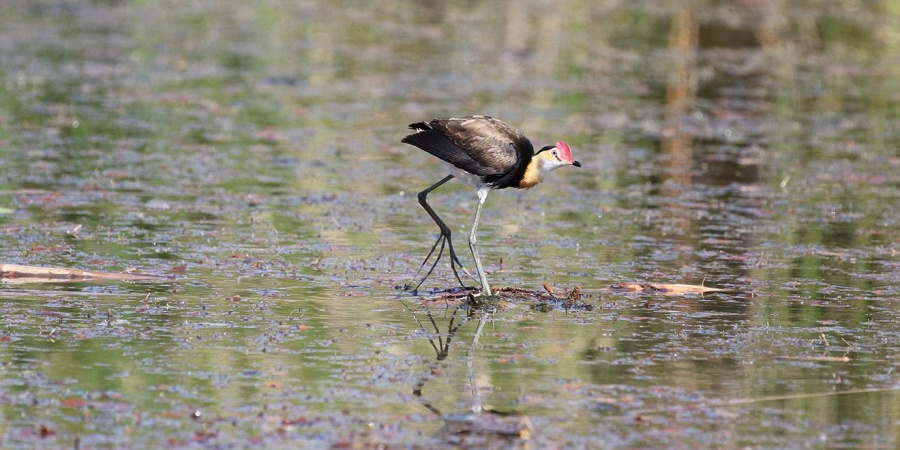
{"x":252,"y":152}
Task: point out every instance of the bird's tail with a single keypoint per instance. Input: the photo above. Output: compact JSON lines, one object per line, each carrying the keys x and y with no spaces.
{"x":419,"y":126}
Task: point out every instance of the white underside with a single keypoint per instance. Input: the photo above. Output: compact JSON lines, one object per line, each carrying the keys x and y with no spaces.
{"x":471,"y":180}
{"x":465,"y":177}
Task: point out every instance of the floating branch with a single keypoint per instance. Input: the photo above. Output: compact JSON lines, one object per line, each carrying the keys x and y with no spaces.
{"x":663,"y":288}
{"x":20,"y":274}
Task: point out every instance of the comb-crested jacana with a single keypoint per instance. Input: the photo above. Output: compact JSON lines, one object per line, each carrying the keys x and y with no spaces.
{"x":488,"y":154}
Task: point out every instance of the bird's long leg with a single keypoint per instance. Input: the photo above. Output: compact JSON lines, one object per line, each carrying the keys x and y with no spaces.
{"x":485,"y":288}
{"x":442,"y":240}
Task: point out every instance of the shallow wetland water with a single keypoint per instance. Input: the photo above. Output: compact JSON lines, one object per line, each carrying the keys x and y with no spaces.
{"x":250,"y":153}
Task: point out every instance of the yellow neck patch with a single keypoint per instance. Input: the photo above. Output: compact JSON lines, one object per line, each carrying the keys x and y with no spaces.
{"x":532,"y":175}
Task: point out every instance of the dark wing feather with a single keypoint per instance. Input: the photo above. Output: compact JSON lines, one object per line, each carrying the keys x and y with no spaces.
{"x":496,"y":145}
{"x":480,"y":145}
{"x":432,"y":141}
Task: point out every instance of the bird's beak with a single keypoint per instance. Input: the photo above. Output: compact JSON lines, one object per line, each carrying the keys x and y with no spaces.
{"x":576,"y":163}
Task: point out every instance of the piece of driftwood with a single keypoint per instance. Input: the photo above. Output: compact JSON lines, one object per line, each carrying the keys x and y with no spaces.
{"x":20,"y":274}
{"x":663,"y":288}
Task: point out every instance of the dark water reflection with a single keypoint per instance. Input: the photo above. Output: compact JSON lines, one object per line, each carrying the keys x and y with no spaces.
{"x":745,"y":146}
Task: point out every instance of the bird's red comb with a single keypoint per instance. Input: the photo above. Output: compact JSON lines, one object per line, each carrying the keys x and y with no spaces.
{"x":565,"y":152}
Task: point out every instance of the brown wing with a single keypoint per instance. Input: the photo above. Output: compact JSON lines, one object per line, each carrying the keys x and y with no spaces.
{"x":438,"y":144}
{"x":494,"y":145}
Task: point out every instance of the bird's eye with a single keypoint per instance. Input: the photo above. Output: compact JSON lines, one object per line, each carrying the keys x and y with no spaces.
{"x":555,"y":154}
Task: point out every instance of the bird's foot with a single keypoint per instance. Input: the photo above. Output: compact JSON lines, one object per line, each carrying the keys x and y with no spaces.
{"x":482,"y":301}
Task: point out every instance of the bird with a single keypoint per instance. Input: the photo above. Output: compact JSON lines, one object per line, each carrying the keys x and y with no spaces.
{"x":485,"y":153}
